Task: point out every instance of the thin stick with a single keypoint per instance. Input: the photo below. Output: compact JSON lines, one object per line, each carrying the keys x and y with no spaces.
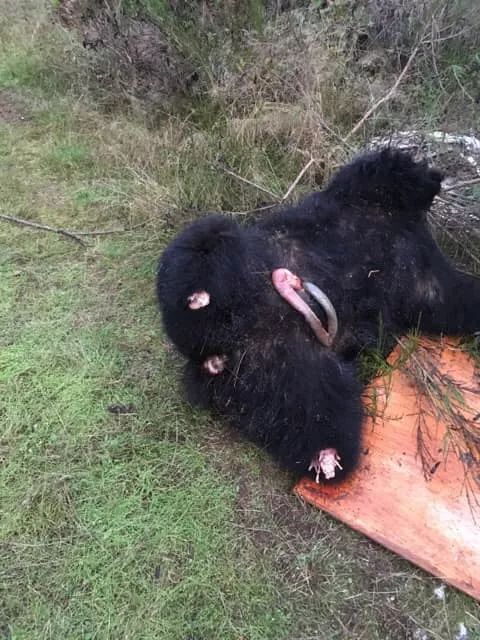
{"x":334,"y":133}
{"x":107,"y":232}
{"x":74,"y":235}
{"x":464,"y":248}
{"x":297,"y":179}
{"x":385,"y":98}
{"x":242,"y":179}
{"x":248,"y":211}
{"x":465,"y":183}
{"x":35,"y":225}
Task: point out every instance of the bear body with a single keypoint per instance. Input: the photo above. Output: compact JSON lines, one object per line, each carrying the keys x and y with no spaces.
{"x":251,"y":356}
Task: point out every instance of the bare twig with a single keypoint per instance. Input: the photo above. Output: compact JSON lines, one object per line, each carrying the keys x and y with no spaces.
{"x":242,"y":179}
{"x":73,"y":235}
{"x":462,"y":88}
{"x":451,"y":36}
{"x":324,"y":125}
{"x":458,"y":185}
{"x":336,"y":135}
{"x":35,"y":225}
{"x":464,"y":183}
{"x":270,"y":193}
{"x":433,"y":42}
{"x":108,"y":232}
{"x":469,"y":253}
{"x":385,"y":98}
{"x":249,"y":211}
{"x":297,"y":179}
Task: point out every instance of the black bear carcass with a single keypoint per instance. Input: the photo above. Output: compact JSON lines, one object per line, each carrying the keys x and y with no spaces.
{"x":271,"y":316}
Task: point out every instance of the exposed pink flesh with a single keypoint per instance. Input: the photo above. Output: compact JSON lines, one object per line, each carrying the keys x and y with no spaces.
{"x":287,"y":284}
{"x":326,"y":462}
{"x":215,"y":364}
{"x":198,"y":300}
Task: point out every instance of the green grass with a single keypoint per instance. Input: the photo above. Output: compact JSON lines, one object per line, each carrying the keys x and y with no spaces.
{"x":153,"y":524}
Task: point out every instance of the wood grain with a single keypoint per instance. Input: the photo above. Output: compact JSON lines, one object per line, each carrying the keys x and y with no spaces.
{"x":429,"y":518}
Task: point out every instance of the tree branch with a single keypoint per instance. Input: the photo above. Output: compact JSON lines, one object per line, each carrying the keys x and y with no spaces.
{"x":242,"y":179}
{"x":386,"y":97}
{"x":44,"y":227}
{"x":465,"y":183}
{"x":73,"y":235}
{"x":297,"y":179}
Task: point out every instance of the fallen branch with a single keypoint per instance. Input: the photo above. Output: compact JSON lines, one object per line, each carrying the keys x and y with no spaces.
{"x":44,"y":227}
{"x":365,"y":117}
{"x":242,"y":179}
{"x":385,"y":98}
{"x":414,"y":139}
{"x":270,"y":193}
{"x":108,"y":232}
{"x":250,"y":211}
{"x":469,"y":253}
{"x":297,"y":179}
{"x":73,"y":235}
{"x":464,"y":183}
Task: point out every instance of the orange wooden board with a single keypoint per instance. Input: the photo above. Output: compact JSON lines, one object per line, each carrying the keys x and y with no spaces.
{"x":424,"y":507}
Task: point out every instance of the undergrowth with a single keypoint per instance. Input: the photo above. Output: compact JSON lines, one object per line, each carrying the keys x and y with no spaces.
{"x":124,"y":513}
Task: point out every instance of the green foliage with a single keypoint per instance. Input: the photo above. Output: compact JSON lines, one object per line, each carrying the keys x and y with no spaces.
{"x":232,"y":16}
{"x":155,"y":523}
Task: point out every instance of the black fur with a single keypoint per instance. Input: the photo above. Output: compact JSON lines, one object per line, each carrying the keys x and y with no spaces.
{"x":365,"y":241}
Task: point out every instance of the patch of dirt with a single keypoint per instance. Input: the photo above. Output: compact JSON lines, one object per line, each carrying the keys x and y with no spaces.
{"x":10,"y":108}
{"x":130,"y":54}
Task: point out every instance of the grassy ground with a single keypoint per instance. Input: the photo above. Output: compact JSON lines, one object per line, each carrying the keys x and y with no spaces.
{"x":146,"y":523}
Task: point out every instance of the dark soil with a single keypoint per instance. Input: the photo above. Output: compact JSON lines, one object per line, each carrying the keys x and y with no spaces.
{"x":131,"y":55}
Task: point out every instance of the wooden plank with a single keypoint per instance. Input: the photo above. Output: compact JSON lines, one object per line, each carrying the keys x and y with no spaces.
{"x":428,"y":516}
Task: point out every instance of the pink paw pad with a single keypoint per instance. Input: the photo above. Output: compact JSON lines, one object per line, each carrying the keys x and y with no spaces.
{"x":326,"y":462}
{"x":198,"y":300}
{"x":215,"y":365}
